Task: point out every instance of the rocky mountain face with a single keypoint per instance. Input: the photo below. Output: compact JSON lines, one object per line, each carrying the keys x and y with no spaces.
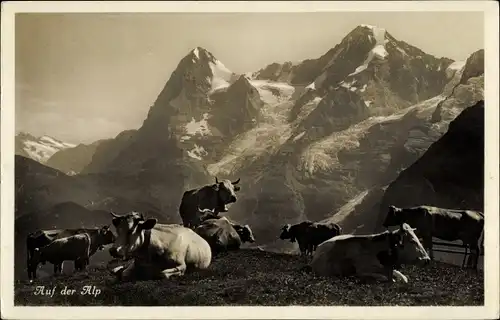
{"x":38,"y":148}
{"x":321,"y":139}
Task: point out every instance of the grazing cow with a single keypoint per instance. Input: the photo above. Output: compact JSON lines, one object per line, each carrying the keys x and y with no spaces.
{"x":41,"y":238}
{"x":445,"y":224}
{"x":223,"y":235}
{"x":158,"y":251}
{"x":376,"y":256}
{"x":298,"y":232}
{"x":75,"y":248}
{"x":214,"y":197}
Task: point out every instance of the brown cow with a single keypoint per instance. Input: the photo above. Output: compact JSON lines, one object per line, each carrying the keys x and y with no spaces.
{"x":223,"y":235}
{"x":40,"y":238}
{"x":214,"y":197}
{"x":75,"y":248}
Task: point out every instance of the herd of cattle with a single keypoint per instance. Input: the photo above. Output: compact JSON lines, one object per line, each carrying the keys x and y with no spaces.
{"x":144,"y":248}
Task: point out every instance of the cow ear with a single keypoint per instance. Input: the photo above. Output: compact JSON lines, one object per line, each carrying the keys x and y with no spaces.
{"x":236,"y":188}
{"x":116,"y":222}
{"x":215,"y":187}
{"x":148,"y":224}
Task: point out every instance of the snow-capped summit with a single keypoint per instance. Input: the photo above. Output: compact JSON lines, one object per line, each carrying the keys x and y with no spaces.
{"x":39,"y":148}
{"x":214,"y":71}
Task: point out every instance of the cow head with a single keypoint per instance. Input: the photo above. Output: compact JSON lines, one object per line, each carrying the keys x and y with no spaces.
{"x":408,"y":247}
{"x":226,"y":193}
{"x":393,"y":217}
{"x":206,"y":214}
{"x":130,"y":233}
{"x":245,"y":233}
{"x":286,"y":233}
{"x":105,"y":236}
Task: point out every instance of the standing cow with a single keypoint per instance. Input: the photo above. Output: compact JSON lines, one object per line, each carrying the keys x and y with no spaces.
{"x":158,"y":251}
{"x":41,"y":238}
{"x":445,"y":224}
{"x":309,"y":234}
{"x":319,"y":232}
{"x":298,"y":232}
{"x":75,"y":248}
{"x":214,"y":197}
{"x":223,"y":235}
{"x":376,"y":256}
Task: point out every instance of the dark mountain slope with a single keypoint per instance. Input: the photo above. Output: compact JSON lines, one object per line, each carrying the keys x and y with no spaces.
{"x":450,"y":174}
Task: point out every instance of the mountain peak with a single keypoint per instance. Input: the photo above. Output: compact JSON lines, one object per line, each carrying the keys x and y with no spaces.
{"x":200,"y":53}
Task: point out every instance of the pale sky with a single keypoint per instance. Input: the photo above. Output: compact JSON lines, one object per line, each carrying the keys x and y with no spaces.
{"x":82,"y":77}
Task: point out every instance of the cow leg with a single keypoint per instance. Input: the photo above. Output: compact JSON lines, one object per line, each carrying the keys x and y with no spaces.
{"x":55,"y":268}
{"x":372,"y":272}
{"x":177,"y":271}
{"x":428,"y":246}
{"x":58,"y":267}
{"x":32,"y":271}
{"x":465,"y":256}
{"x":125,"y":273}
{"x":397,"y":275}
{"x":473,"y":257}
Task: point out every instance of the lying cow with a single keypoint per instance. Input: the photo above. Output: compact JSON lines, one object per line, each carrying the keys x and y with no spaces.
{"x":206,"y":214}
{"x":40,"y":238}
{"x":157,"y":251}
{"x":445,"y":224}
{"x":214,"y":197}
{"x":223,"y":235}
{"x":376,"y":256}
{"x":74,"y":248}
{"x":310,"y":234}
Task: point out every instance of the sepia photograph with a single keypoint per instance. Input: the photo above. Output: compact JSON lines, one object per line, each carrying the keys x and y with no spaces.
{"x":230,"y":154}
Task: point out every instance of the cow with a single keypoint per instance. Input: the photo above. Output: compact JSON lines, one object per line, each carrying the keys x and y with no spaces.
{"x":41,"y":238}
{"x":156,"y":251}
{"x":214,"y":197}
{"x":224,"y":235}
{"x":75,"y":248}
{"x":374,"y":256}
{"x":309,"y":234}
{"x":206,"y":214}
{"x":445,"y":224}
{"x":319,"y":232}
{"x":298,"y":232}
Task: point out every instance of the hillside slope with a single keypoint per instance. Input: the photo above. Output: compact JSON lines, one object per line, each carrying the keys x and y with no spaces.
{"x":73,"y":160}
{"x":256,"y":278}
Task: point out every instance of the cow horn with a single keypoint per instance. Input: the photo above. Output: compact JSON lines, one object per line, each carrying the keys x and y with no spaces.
{"x":236,"y":182}
{"x":113,"y":214}
{"x":216,"y":180}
